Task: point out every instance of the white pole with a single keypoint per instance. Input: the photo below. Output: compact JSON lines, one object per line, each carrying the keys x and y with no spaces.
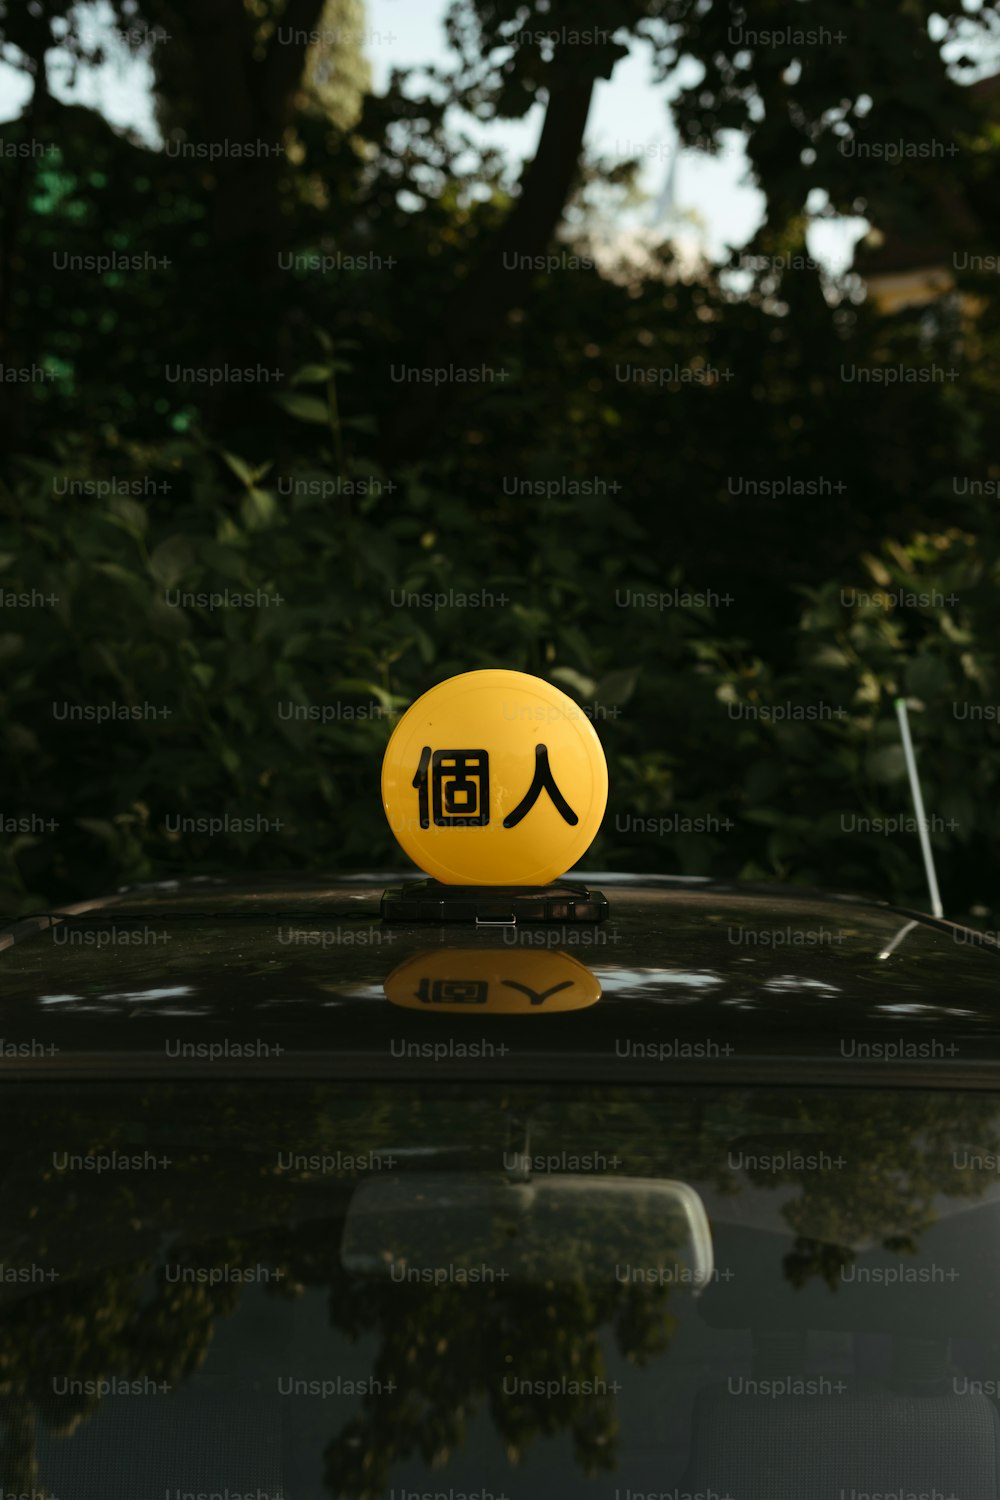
{"x":918,"y":803}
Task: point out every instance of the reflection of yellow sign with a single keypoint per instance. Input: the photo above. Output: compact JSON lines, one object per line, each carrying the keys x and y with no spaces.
{"x":494,"y":778}
{"x":490,"y":981}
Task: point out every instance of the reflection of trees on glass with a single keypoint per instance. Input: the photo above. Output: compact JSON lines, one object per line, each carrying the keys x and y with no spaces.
{"x":452,"y":1352}
{"x":18,"y":1464}
{"x":224,"y":1200}
{"x":525,"y":1345}
{"x":899,"y":1154}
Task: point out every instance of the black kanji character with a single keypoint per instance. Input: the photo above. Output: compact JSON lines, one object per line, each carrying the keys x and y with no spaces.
{"x":542,"y":780}
{"x":538,"y":997}
{"x":460,"y":788}
{"x":453,"y":991}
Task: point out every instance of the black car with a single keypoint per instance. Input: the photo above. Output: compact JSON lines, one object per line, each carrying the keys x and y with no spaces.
{"x":301,"y":1200}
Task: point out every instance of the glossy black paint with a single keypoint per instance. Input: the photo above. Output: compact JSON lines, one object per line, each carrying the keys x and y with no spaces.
{"x":699,"y":981}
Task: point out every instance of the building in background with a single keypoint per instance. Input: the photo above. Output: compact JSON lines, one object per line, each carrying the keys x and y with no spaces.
{"x":903,"y":269}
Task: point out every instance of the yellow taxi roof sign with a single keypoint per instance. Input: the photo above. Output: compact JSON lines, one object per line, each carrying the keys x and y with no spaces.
{"x":494,"y":778}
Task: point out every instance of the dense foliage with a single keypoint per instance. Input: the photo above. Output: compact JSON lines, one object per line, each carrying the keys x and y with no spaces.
{"x":585,"y":516}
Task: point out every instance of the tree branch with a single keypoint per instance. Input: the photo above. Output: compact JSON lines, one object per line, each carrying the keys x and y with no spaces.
{"x":282,"y":68}
{"x":481,"y":303}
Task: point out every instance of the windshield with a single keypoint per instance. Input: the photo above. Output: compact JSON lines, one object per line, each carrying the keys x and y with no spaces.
{"x":315,"y":1291}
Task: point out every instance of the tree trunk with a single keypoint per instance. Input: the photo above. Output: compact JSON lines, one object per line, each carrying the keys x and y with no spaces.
{"x":479,"y":308}
{"x":243,"y":101}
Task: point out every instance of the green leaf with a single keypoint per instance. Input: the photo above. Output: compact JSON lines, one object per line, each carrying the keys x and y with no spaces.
{"x":128,"y":514}
{"x":99,"y":826}
{"x":617,"y":687}
{"x":240,"y":468}
{"x":312,"y":374}
{"x":170,"y":560}
{"x":306,"y":408}
{"x":926,"y":677}
{"x":830,"y":656}
{"x":887,"y":763}
{"x":575,"y":640}
{"x":259,"y":508}
{"x":121,"y":575}
{"x":21,"y":841}
{"x":585,"y":686}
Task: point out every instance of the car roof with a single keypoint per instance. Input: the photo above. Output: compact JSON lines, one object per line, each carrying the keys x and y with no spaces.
{"x":698,"y":979}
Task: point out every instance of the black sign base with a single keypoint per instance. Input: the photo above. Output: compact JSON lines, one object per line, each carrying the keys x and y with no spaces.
{"x":487,"y":905}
